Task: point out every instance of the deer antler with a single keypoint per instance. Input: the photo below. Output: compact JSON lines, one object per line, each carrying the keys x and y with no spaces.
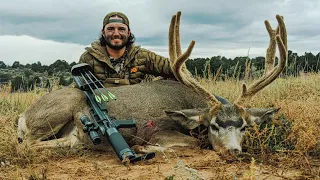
{"x":178,"y":63}
{"x":177,"y":60}
{"x":277,"y":36}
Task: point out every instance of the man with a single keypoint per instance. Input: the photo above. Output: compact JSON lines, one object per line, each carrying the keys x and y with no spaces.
{"x":117,"y":61}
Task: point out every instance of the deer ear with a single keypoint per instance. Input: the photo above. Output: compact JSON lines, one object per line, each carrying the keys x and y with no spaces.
{"x":189,"y":118}
{"x":260,"y":115}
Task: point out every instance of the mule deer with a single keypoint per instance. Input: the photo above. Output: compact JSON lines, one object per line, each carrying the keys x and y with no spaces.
{"x":165,"y":110}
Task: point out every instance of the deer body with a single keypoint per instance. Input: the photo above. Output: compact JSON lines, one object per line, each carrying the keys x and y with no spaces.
{"x":57,"y":114}
{"x":54,"y":120}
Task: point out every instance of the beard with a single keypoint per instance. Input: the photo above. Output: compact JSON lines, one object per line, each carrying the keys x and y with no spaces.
{"x":118,"y":46}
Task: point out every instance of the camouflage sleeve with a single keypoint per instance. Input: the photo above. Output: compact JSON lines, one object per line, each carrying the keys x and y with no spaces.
{"x":85,"y":58}
{"x":158,"y":65}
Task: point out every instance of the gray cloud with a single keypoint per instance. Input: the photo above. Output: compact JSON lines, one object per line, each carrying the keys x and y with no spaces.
{"x":220,"y":26}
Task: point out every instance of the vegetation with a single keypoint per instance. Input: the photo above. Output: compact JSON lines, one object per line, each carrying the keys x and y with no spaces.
{"x":290,"y":141}
{"x":236,"y":67}
{"x":26,"y":77}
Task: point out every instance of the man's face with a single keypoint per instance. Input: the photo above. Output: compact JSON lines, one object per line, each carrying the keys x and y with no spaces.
{"x":116,"y":34}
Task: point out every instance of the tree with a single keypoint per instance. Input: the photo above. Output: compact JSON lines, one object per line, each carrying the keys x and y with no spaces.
{"x":60,"y":65}
{"x":2,"y":65}
{"x":259,"y":62}
{"x":28,"y":66}
{"x":63,"y":81}
{"x":36,"y":80}
{"x":71,"y":65}
{"x":17,"y":83}
{"x":16,"y":64}
{"x":34,"y":67}
{"x":5,"y":77}
{"x":28,"y":73}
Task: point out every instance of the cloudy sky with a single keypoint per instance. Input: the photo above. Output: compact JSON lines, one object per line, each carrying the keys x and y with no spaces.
{"x":47,"y":30}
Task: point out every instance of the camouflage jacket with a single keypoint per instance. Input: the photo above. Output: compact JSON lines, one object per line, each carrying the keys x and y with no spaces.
{"x":132,"y":68}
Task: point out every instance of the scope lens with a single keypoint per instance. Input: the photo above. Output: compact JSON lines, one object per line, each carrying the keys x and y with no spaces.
{"x":95,"y":137}
{"x":84,"y":119}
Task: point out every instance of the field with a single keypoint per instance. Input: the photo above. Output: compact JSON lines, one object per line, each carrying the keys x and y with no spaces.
{"x":286,"y":148}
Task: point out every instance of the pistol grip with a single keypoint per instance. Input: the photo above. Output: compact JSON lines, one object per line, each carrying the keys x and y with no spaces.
{"x":125,"y":123}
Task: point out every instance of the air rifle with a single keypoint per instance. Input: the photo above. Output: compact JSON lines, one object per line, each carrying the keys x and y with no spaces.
{"x":100,"y":122}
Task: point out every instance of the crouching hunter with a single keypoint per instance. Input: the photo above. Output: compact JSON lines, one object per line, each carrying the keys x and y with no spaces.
{"x":116,"y":60}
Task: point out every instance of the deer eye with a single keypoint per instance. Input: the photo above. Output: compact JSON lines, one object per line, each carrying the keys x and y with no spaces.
{"x":213,"y":127}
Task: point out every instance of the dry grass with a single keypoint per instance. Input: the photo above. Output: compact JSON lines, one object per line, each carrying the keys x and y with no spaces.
{"x":291,"y":140}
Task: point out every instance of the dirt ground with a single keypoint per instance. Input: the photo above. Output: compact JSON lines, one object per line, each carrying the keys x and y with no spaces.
{"x":179,"y":163}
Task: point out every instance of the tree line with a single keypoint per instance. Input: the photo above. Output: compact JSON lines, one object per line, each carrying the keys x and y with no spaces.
{"x":57,"y":66}
{"x":236,"y":67}
{"x":26,"y":77}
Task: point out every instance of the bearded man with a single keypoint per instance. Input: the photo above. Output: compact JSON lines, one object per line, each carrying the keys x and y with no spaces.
{"x":117,"y":61}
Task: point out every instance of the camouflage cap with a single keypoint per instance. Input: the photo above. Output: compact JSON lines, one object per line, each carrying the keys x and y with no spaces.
{"x":125,"y":19}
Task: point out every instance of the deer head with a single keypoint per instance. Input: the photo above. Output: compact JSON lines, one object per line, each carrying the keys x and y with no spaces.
{"x":226,"y":122}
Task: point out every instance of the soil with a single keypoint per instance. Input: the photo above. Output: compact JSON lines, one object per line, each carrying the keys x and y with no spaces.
{"x":177,"y":163}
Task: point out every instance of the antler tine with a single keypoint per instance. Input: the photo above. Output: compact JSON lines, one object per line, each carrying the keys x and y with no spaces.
{"x":278,"y":36}
{"x":271,"y":51}
{"x":177,"y":34}
{"x":282,"y":31}
{"x":172,"y":40}
{"x":175,"y":50}
{"x":282,"y":41}
{"x":178,"y":45}
{"x":191,"y":82}
{"x":178,"y":66}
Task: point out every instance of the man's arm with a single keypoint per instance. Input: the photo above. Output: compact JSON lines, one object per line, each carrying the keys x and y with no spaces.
{"x":156,"y":65}
{"x":85,"y":58}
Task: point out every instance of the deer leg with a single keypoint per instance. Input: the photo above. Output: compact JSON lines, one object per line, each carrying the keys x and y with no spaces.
{"x":166,"y":139}
{"x":22,"y":128}
{"x":61,"y":142}
{"x":71,"y":140}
